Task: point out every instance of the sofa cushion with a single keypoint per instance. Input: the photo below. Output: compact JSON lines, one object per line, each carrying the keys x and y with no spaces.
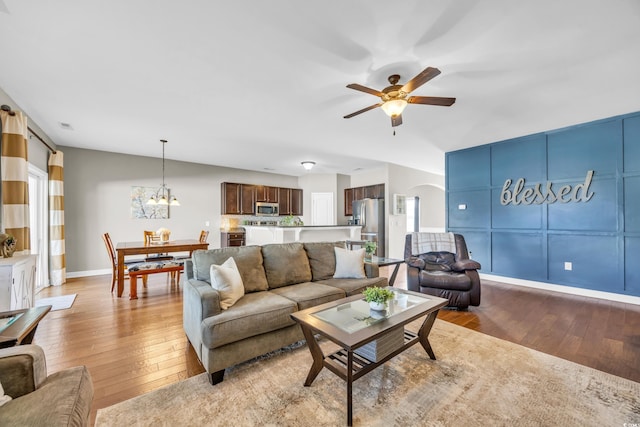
{"x":355,"y":286}
{"x":247,"y":258}
{"x":254,"y":314}
{"x":226,"y":279}
{"x":349,"y":264}
{"x":322,"y":258}
{"x":285,"y":264}
{"x":445,"y":280}
{"x":309,"y":294}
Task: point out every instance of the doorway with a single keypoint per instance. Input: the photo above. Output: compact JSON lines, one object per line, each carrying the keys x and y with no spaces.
{"x":38,"y":224}
{"x":322,"y":209}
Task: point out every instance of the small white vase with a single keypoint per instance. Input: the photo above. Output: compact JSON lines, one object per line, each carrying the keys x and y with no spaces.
{"x":379,"y":306}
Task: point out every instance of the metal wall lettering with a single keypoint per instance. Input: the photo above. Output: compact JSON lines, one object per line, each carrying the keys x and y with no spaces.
{"x":535,"y":195}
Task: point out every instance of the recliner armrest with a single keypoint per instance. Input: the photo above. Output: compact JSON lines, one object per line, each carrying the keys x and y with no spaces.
{"x":465,"y":264}
{"x":415,"y":262}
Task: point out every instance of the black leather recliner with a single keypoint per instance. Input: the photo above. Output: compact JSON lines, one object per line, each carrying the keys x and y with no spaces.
{"x":441,"y":272}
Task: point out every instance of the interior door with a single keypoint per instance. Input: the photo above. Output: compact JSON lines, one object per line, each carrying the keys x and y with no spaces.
{"x":322,"y":209}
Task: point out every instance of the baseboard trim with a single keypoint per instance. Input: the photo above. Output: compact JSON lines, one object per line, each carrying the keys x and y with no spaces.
{"x":564,"y":289}
{"x":76,"y":274}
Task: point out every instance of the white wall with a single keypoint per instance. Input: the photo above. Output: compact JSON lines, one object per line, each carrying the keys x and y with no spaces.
{"x":401,"y":181}
{"x":97,"y":200}
{"x":317,"y":183}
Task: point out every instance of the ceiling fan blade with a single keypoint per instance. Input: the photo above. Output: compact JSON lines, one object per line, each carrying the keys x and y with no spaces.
{"x":365,"y":89}
{"x":364,"y":110}
{"x":396,"y":120}
{"x":431,"y":100}
{"x":426,"y":75}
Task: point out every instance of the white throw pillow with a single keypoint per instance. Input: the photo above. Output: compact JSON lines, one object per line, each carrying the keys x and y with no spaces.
{"x":227,"y":281}
{"x":3,"y":397}
{"x":349,"y":264}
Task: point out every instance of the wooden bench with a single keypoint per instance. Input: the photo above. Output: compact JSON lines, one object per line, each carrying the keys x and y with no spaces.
{"x":164,"y":268}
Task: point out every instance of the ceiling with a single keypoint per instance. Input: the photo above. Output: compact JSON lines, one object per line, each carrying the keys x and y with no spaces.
{"x":261,"y":85}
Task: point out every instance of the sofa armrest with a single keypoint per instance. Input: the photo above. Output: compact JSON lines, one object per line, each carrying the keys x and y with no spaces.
{"x":23,"y":369}
{"x":465,"y":264}
{"x":200,"y":297}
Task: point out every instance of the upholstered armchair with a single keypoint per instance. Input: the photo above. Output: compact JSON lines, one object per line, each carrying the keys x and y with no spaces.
{"x":30,"y":397}
{"x":438,"y":264}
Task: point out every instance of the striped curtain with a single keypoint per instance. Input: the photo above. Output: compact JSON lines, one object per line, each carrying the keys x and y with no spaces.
{"x":15,"y":179}
{"x":58,"y":265}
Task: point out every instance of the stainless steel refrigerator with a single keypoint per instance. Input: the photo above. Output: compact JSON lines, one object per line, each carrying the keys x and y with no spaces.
{"x":369,"y":213}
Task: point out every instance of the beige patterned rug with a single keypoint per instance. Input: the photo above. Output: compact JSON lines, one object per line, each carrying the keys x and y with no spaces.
{"x":477,"y":380}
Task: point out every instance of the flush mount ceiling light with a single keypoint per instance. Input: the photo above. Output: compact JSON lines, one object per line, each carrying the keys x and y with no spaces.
{"x":160,"y":198}
{"x":308,"y":165}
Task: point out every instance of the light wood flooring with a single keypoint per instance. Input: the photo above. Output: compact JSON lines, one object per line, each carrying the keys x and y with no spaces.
{"x":132,"y":347}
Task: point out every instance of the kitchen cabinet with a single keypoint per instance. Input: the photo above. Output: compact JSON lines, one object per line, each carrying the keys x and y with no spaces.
{"x":284,"y":202}
{"x":348,"y":201}
{"x":358,"y":193}
{"x":296,"y":202}
{"x":17,"y":282}
{"x":238,"y":199}
{"x":267,"y":194}
{"x":290,"y":201}
{"x":247,"y":199}
{"x":232,"y":238}
{"x":374,"y":191}
{"x":230,"y":198}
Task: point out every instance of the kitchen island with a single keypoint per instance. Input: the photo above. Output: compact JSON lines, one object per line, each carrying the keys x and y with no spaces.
{"x":262,"y":235}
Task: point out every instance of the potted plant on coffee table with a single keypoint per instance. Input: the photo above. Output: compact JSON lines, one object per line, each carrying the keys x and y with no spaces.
{"x":377,"y":297}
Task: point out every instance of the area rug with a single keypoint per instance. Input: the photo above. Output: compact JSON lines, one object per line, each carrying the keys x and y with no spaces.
{"x":61,"y":302}
{"x":476,"y":380}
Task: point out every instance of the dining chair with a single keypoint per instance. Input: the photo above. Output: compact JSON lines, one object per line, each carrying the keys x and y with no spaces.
{"x":150,"y":237}
{"x":204,"y":236}
{"x":114,"y":261}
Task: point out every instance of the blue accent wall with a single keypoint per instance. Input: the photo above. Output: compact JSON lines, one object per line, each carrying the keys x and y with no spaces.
{"x":599,"y":237}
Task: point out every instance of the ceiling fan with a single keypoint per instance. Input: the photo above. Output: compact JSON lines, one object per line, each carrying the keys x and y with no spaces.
{"x":395,"y":97}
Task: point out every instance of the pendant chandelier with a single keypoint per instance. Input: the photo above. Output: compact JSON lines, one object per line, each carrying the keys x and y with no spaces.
{"x":160,"y":198}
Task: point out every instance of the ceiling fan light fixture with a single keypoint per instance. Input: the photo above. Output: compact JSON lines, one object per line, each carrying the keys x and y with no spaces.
{"x":308,"y":165}
{"x":394,"y":107}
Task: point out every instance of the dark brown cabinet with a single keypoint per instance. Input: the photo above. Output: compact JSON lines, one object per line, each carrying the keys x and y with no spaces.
{"x":374,"y":191}
{"x":238,"y":199}
{"x":290,"y":201}
{"x":232,"y":238}
{"x":348,"y":201}
{"x":230,"y":198}
{"x":358,"y":193}
{"x":266,"y":194}
{"x":247,"y":199}
{"x":284,"y":201}
{"x":296,"y":201}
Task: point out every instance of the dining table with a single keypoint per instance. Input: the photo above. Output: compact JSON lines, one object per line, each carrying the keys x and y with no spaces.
{"x":124,"y":249}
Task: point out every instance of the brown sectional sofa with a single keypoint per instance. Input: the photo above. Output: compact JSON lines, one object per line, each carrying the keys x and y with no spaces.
{"x":278,"y":279}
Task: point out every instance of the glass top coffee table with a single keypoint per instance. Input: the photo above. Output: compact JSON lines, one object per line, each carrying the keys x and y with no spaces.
{"x":368,"y":338}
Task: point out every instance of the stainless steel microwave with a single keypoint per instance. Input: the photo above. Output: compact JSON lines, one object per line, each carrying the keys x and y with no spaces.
{"x":266,"y":209}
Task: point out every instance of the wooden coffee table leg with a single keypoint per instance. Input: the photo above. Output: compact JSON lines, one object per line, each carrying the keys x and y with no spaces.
{"x":423,"y":334}
{"x":316,"y":353}
{"x":350,"y":388}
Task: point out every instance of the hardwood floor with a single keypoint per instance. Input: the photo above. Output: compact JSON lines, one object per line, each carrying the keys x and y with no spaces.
{"x":132,"y":347}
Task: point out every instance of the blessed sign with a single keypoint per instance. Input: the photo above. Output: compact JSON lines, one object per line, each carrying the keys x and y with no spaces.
{"x":538,"y":195}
